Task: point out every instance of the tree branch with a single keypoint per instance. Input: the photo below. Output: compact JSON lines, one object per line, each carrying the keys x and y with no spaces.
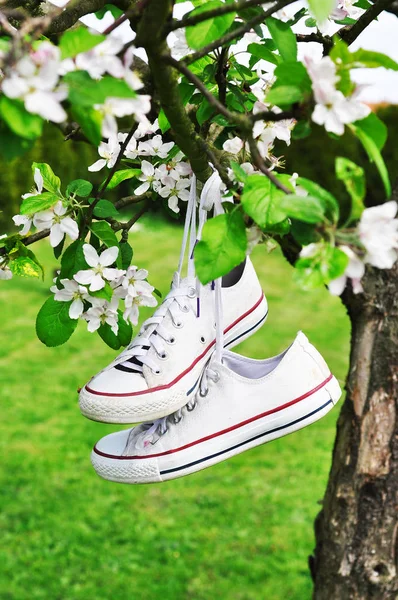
{"x":221,"y":75}
{"x":73,"y":13}
{"x":128,"y":225}
{"x":235,"y":118}
{"x":189,"y":21}
{"x":350,"y":33}
{"x":165,"y":78}
{"x":237,"y":33}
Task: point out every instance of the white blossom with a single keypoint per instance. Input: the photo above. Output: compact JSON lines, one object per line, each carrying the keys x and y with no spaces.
{"x":34,"y":80}
{"x":354,"y":271}
{"x":174,"y":191}
{"x":148,"y":178}
{"x":102,"y":312}
{"x":103,"y":58}
{"x":378,"y":232}
{"x":134,"y":282}
{"x":132,"y":306}
{"x":333,"y":109}
{"x":72,"y":291}
{"x":122,"y":107}
{"x":233,"y":145}
{"x":100,"y":272}
{"x":59,"y":223}
{"x":145,"y":127}
{"x":155,"y":147}
{"x":178,"y":44}
{"x":109,"y":152}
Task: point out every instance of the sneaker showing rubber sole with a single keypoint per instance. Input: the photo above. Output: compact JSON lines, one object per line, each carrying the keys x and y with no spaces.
{"x":156,"y":375}
{"x":239,"y":404}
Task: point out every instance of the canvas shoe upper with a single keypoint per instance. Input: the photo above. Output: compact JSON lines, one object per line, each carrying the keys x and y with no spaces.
{"x":157,"y":373}
{"x":239,"y":403}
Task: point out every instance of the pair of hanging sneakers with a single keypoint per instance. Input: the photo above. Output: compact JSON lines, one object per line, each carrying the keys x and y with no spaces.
{"x":199,"y":403}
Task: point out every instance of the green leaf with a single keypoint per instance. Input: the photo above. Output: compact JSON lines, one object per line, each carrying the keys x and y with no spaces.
{"x":374,"y":155}
{"x":125,"y":332}
{"x":51,"y":182}
{"x":84,"y":91}
{"x":115,"y":10}
{"x":204,"y":112}
{"x":353,"y":177}
{"x":53,"y":324}
{"x":207,"y":31}
{"x":284,"y":95}
{"x":304,"y":208}
{"x":261,"y":201}
{"x":58,"y":249}
{"x":79,"y":187}
{"x":375,"y":129}
{"x":321,"y":9}
{"x":106,"y":292}
{"x":105,"y":233}
{"x":223,"y":246}
{"x":126,"y":253}
{"x":264,"y":53}
{"x":122,"y":175}
{"x":73,"y":260}
{"x":37,"y":203}
{"x":19,"y":120}
{"x":76,"y":41}
{"x":25,"y":267}
{"x":239,"y":173}
{"x":329,"y":202}
{"x":293,"y":74}
{"x":372,"y":60}
{"x":104,"y":209}
{"x":284,"y":38}
{"x":325,"y":264}
{"x":123,"y":337}
{"x":90,"y":121}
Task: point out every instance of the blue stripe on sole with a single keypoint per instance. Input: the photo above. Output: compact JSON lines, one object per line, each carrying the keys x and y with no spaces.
{"x":257,"y":437}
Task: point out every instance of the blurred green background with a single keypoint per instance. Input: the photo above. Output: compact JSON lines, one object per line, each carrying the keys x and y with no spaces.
{"x":241,"y":530}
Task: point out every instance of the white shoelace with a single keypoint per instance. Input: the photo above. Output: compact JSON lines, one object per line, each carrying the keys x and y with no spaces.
{"x":149,"y":433}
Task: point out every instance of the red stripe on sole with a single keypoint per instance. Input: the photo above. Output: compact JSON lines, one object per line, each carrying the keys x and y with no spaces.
{"x":181,"y":375}
{"x":223,"y":431}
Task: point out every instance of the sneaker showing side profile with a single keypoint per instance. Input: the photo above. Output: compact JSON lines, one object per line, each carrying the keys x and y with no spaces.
{"x":157,"y":374}
{"x":239,"y":403}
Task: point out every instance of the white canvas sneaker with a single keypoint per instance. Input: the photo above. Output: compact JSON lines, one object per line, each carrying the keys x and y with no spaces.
{"x":239,"y":403}
{"x":157,"y":373}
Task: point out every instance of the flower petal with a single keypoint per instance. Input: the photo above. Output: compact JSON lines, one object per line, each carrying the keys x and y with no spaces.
{"x":76,"y":308}
{"x":109,"y":256}
{"x":91,"y":255}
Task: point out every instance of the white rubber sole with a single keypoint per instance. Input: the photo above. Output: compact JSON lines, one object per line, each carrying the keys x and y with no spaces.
{"x":159,"y":403}
{"x":163,"y":467}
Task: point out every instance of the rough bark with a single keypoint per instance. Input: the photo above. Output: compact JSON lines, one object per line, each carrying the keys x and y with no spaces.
{"x":356,"y":554}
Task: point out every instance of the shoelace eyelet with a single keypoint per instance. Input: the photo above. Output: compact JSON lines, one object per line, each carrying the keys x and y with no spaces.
{"x":178,"y":325}
{"x":171,"y":341}
{"x":190,"y":409}
{"x":203,"y":339}
{"x":203,"y":394}
{"x":157,"y":372}
{"x":192,"y":293}
{"x":163,"y":356}
{"x":216,"y":377}
{"x":185,"y":308}
{"x":176,"y":421}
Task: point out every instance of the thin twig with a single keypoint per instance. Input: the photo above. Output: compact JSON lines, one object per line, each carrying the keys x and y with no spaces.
{"x":233,"y":117}
{"x":237,"y":33}
{"x":350,"y":33}
{"x":221,"y":75}
{"x":189,"y":21}
{"x":128,"y":225}
{"x":269,"y":115}
{"x":259,"y":162}
{"x":107,"y":181}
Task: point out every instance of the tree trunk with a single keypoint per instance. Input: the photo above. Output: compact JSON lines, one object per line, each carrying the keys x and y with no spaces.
{"x":356,"y":554}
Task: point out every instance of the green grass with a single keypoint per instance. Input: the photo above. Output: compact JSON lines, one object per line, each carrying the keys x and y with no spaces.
{"x":241,"y":530}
